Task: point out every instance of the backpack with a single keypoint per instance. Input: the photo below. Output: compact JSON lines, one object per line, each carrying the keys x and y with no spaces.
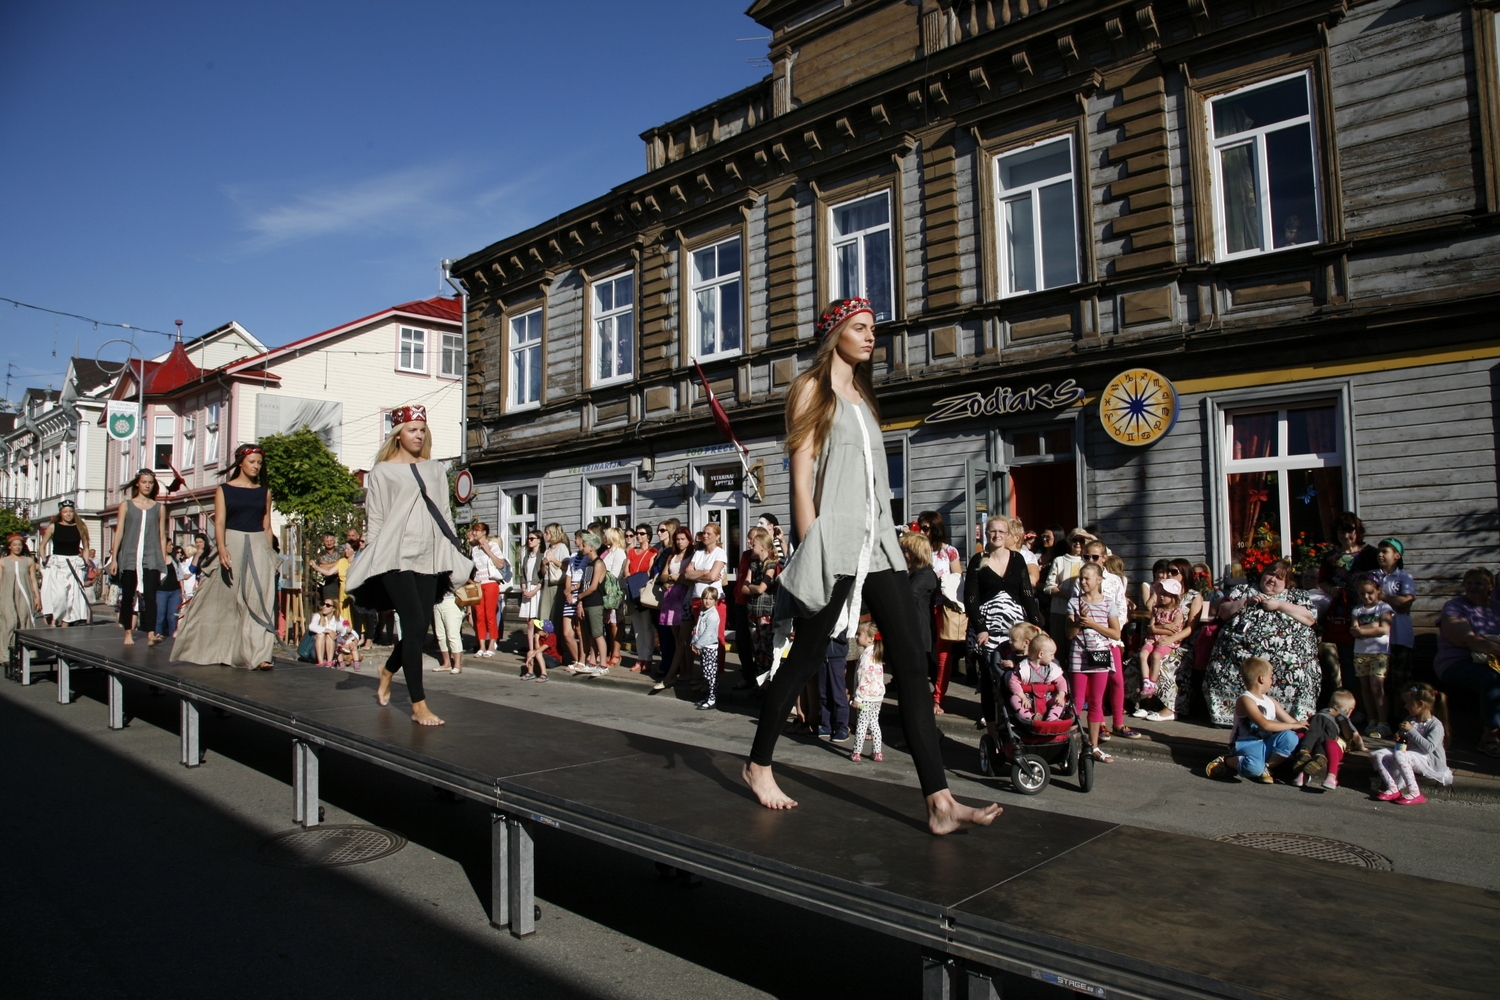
{"x":614,"y":594}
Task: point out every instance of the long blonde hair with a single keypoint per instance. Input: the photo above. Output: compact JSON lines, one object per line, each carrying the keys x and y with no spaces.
{"x":77,"y":522}
{"x":812,"y":394}
{"x":392,"y":445}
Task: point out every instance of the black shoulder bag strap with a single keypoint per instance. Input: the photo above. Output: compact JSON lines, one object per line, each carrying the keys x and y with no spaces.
{"x":437,"y":515}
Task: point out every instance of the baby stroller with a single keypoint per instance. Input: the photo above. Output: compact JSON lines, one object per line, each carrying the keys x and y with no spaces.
{"x":1031,"y":748}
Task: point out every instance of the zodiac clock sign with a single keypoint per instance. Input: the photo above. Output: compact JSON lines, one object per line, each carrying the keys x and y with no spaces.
{"x":1138,"y":406}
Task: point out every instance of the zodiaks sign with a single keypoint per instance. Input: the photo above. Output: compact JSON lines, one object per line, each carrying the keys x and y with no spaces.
{"x":1002,"y":400}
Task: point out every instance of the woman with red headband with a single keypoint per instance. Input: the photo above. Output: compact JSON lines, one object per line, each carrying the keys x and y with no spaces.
{"x":411,"y":554}
{"x":848,"y":558}
{"x":232,"y":616}
{"x":20,"y":591}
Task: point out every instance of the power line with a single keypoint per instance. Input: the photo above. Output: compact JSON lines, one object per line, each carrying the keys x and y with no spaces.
{"x":86,"y":319}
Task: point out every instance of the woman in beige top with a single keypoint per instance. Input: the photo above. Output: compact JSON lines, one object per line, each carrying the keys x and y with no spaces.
{"x":411,"y":555}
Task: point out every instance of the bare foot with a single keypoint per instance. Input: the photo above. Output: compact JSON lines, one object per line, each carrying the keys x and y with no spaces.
{"x":422,"y":715}
{"x":946,"y":814}
{"x":383,"y":694}
{"x":129,"y":638}
{"x":765,"y":788}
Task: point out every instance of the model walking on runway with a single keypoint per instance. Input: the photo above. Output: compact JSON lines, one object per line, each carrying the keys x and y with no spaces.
{"x":20,"y":592}
{"x":232,"y":616}
{"x":848,"y":557}
{"x":64,"y":591}
{"x":142,"y":537}
{"x":411,"y":554}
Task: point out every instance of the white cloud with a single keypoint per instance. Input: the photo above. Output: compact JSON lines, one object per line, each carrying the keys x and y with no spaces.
{"x":406,"y":200}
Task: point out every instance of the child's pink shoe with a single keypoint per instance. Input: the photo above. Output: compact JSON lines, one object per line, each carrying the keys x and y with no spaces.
{"x":1412,"y":800}
{"x":854,"y":757}
{"x":878,"y":758}
{"x":1148,"y":688}
{"x":1390,"y":796}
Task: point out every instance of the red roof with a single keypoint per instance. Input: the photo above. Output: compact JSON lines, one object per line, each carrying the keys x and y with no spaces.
{"x":445,"y":308}
{"x":174,"y":373}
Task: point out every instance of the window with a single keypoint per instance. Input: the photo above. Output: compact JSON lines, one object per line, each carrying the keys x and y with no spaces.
{"x":189,"y":440}
{"x":717,"y":310}
{"x":862,"y":252}
{"x":895,"y":468}
{"x":413,"y":354}
{"x":1284,"y":478}
{"x":1038,"y":217}
{"x":526,"y":360}
{"x":453,"y":355}
{"x":610,"y":502}
{"x":211,"y":434}
{"x":1264,"y":167}
{"x":520,"y":518}
{"x":163,"y":430}
{"x":614,"y":328}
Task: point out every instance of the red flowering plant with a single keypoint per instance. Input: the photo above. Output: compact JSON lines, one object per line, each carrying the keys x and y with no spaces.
{"x":1307,"y":554}
{"x":1263,"y":550}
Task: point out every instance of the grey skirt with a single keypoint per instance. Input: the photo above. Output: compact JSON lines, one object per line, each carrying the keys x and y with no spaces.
{"x":232,"y":619}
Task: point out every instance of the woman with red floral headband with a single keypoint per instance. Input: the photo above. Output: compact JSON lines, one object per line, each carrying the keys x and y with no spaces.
{"x":232,"y":616}
{"x":411,"y":555}
{"x":848,"y":557}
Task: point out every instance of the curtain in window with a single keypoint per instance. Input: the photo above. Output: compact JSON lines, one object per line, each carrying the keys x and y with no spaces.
{"x":1254,"y":503}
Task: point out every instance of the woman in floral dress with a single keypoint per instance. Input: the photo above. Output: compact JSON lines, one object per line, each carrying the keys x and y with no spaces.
{"x":1273,"y":622}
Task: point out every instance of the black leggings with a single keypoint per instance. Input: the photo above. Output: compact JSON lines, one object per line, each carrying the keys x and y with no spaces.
{"x":412,"y":596}
{"x":146,"y":586}
{"x":888,"y":597}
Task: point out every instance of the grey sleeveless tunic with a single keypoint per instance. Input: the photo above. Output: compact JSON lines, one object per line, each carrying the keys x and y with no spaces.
{"x":132,"y":543}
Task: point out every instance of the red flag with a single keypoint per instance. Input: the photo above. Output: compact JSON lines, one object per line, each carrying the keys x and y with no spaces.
{"x":177,"y":481}
{"x":721,"y":421}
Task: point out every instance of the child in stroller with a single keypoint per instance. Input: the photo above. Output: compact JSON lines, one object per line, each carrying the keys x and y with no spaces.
{"x":1037,"y":727}
{"x":1037,"y":686}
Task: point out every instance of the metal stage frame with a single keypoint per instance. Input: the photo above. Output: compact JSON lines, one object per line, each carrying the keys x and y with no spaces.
{"x":1208,"y":921}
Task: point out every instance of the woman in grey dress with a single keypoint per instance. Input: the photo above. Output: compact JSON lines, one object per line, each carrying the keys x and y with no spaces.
{"x":20,"y":591}
{"x":232,"y":617}
{"x":848,"y":557}
{"x":139,"y":555}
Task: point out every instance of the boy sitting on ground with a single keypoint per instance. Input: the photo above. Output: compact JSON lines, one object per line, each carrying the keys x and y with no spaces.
{"x":1264,"y":734}
{"x":1329,"y":734}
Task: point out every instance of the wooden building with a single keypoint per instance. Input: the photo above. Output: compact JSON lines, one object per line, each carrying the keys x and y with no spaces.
{"x":1289,"y":209}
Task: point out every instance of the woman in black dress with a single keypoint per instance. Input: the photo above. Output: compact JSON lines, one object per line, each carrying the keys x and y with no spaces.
{"x":997,"y":596}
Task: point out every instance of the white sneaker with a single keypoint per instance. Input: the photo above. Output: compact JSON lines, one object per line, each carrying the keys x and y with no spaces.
{"x":1139,"y":713}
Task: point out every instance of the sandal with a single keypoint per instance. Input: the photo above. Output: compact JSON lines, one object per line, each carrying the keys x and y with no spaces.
{"x":1098,"y":754}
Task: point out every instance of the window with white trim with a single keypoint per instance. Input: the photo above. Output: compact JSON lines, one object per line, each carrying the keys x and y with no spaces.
{"x":452,"y":365}
{"x":860,"y":248}
{"x":412,"y":356}
{"x":718,"y":311}
{"x":163,"y":430}
{"x":609,"y":502}
{"x":1037,"y":209}
{"x":189,"y":440}
{"x":1265,"y":167}
{"x":520,"y":520}
{"x":526,"y":360}
{"x":1284,"y":478}
{"x":614,"y":328}
{"x":211,"y":434}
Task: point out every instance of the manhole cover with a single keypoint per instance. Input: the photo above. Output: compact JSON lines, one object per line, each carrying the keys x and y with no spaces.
{"x":330,"y":846}
{"x":1307,"y":846}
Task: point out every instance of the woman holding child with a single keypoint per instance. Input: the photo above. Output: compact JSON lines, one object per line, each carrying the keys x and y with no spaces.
{"x":1272,"y":621}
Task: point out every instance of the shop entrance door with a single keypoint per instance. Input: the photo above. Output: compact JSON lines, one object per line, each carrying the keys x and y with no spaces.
{"x":1043,"y":477}
{"x":984,"y":485}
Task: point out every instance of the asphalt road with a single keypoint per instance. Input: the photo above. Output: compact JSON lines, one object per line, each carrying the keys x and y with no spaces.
{"x":131,"y":876}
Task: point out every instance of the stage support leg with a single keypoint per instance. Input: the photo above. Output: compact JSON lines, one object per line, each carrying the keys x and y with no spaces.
{"x":305,"y":809}
{"x":499,"y":871}
{"x":937,"y":977}
{"x":187,"y":717}
{"x":116,"y":702}
{"x":25,"y":665}
{"x":520,"y":878}
{"x":64,"y":681}
{"x":980,"y":985}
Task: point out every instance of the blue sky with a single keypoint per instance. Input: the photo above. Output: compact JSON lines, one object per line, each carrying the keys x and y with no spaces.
{"x":293,"y":166}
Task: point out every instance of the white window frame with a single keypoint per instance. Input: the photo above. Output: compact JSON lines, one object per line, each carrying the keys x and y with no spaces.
{"x":211,"y":414}
{"x":527,"y":521}
{"x":611,"y":318}
{"x":1258,"y":135}
{"x":1004,"y":196}
{"x":1217,"y":409}
{"x":189,"y":440}
{"x":715,"y":284}
{"x":158,"y":420}
{"x":858,"y":239}
{"x":451,"y":347}
{"x":514,"y":400}
{"x":615,"y":515}
{"x":411,"y":340}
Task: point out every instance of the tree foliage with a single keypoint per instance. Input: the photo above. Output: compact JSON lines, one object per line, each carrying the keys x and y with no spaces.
{"x":308,"y":483}
{"x":12,"y":523}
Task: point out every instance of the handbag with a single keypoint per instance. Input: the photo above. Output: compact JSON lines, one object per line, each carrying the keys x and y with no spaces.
{"x":650,"y":596}
{"x":635,"y":583}
{"x":307,"y":650}
{"x":954,"y":626}
{"x":1099,"y":659}
{"x":468,"y":595}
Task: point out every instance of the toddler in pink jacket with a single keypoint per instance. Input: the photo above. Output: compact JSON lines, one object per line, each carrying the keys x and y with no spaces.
{"x":1038,"y":688}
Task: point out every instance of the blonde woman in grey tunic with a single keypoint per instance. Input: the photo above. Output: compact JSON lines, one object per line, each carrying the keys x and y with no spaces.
{"x":411,"y":555}
{"x":139,"y":556}
{"x":20,"y":594}
{"x":848,"y":558}
{"x":231,"y":619}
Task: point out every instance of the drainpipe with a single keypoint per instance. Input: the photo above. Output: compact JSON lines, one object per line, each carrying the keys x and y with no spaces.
{"x":463,"y":411}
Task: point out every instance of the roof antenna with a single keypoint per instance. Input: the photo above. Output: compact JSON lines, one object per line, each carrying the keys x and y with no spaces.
{"x":179,"y":329}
